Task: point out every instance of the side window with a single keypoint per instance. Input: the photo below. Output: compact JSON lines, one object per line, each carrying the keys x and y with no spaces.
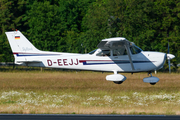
{"x":104,"y":53}
{"x":120,"y":51}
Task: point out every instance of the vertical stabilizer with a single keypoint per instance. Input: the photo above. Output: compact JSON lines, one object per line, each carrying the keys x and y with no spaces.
{"x":20,"y":45}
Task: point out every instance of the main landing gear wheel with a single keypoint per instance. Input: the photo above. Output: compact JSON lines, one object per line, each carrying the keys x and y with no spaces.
{"x":118,"y":82}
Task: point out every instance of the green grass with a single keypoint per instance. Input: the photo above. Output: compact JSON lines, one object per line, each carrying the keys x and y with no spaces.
{"x":87,"y":93}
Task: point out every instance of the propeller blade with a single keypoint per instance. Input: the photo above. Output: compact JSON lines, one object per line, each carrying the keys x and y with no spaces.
{"x":169,"y":57}
{"x":169,"y":63}
{"x":168,"y":47}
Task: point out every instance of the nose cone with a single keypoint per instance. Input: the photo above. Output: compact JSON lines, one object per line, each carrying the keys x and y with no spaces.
{"x":170,"y":56}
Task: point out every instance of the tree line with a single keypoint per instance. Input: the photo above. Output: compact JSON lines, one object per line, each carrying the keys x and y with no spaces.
{"x":79,"y":25}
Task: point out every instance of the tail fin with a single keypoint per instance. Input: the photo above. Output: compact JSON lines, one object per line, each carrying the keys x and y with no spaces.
{"x":20,"y":45}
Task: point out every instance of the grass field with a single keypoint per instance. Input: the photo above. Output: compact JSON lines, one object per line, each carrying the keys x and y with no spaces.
{"x":87,"y":93}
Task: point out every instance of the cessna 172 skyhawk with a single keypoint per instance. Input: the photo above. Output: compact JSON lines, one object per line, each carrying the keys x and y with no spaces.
{"x":113,"y":55}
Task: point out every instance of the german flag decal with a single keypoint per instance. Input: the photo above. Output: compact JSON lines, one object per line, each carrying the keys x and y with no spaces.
{"x":17,"y":37}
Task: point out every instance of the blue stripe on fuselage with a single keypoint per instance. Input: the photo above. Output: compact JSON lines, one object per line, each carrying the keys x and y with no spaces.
{"x":115,"y":62}
{"x":36,"y":55}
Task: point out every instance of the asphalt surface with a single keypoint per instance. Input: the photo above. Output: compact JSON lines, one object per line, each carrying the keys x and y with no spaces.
{"x":84,"y":117}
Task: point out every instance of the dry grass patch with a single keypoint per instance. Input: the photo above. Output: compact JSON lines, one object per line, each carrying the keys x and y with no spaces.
{"x":87,"y":93}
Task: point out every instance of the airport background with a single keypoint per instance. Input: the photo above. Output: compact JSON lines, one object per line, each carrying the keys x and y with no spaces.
{"x":79,"y":25}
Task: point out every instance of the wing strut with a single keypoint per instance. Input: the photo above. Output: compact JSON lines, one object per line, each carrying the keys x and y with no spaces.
{"x":129,"y":55}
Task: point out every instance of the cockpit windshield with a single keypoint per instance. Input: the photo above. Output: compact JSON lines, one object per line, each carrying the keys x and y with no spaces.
{"x":134,"y":49}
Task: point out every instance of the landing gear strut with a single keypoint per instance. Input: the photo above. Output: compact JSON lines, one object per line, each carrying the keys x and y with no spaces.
{"x":150,"y":74}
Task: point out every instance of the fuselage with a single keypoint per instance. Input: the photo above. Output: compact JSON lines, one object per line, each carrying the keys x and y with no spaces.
{"x":143,"y":61}
{"x":113,"y":55}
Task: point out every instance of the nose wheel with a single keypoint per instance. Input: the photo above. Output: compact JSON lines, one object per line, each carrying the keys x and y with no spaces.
{"x":152,"y":83}
{"x":151,"y":79}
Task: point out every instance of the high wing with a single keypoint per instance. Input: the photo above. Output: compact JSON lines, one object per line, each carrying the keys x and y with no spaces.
{"x":113,"y":43}
{"x":118,"y":42}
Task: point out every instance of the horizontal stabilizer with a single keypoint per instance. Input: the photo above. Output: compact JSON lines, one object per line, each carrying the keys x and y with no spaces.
{"x":32,"y":61}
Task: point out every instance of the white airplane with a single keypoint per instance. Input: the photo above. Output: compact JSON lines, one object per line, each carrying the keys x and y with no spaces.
{"x":117,"y":55}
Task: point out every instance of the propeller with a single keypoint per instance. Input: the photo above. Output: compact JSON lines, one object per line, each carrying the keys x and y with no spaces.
{"x":169,"y":57}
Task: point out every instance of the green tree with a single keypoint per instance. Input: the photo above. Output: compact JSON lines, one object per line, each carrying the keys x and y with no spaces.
{"x":11,"y":12}
{"x":73,"y":12}
{"x":45,"y":25}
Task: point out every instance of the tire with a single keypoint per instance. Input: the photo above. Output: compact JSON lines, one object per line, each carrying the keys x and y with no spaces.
{"x":152,"y":83}
{"x":118,"y":82}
